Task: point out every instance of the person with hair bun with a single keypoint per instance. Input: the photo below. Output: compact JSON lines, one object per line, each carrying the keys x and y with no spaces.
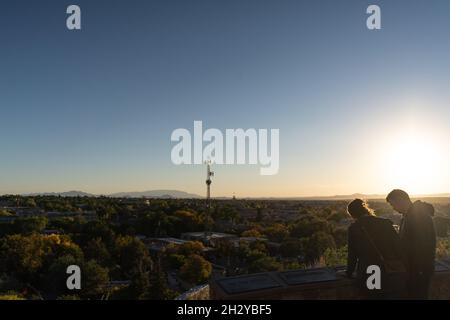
{"x":372,"y":241}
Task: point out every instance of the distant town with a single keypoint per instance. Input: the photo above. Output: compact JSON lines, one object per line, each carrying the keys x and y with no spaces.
{"x":169,"y":248}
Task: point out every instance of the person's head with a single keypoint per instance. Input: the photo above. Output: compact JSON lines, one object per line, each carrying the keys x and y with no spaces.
{"x":399,"y":201}
{"x":358,"y":208}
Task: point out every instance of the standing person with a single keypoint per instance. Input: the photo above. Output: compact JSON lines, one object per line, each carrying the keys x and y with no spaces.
{"x":373,"y":241}
{"x":418,"y":241}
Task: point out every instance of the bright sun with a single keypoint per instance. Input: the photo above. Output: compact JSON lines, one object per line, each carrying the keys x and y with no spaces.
{"x":414,"y":162}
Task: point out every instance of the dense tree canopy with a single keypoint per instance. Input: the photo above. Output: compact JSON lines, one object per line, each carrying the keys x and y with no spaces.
{"x":125,"y":251}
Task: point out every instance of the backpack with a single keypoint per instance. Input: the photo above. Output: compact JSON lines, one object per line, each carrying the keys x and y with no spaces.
{"x":394,"y":271}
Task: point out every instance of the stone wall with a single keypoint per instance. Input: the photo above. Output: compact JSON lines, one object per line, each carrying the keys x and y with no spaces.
{"x":313,"y":284}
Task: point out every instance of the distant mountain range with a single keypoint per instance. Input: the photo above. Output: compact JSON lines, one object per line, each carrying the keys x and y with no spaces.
{"x":176,"y":194}
{"x":63,"y":194}
{"x":155,"y":194}
{"x":141,"y":194}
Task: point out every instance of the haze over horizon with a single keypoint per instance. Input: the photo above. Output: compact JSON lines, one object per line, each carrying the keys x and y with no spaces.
{"x":94,"y":110}
{"x":161,"y":193}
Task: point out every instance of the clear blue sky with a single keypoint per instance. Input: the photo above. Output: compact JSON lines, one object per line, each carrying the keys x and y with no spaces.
{"x":93,"y":110}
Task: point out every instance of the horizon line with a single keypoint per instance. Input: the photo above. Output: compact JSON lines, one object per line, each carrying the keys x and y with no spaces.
{"x":374,"y":196}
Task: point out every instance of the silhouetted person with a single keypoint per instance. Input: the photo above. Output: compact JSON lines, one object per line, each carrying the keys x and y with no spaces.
{"x":418,"y":241}
{"x":371,"y":241}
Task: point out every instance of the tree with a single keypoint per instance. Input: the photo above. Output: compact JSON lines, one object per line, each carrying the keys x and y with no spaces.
{"x":264,"y":264}
{"x":54,"y":280}
{"x":30,"y":202}
{"x":11,"y":296}
{"x":337,"y":216}
{"x":106,"y":212}
{"x":291,"y":248}
{"x":21,"y":256}
{"x":61,"y":245}
{"x":335,"y":257}
{"x":191,"y":247}
{"x":229,"y":213}
{"x":159,"y":289}
{"x":187,"y":221}
{"x":133,"y":256}
{"x":308,"y":225}
{"x":277,"y":233}
{"x":29,"y":225}
{"x":251,"y":233}
{"x":98,"y":229}
{"x":155,"y":224}
{"x":259,"y":213}
{"x":96,"y":249}
{"x":340,"y":236}
{"x":175,"y":261}
{"x":443,"y":248}
{"x":196,"y":269}
{"x":28,"y":257}
{"x":5,"y":213}
{"x":442,"y":226}
{"x":94,"y":280}
{"x":6,"y":228}
{"x":316,"y":245}
{"x":140,"y":286}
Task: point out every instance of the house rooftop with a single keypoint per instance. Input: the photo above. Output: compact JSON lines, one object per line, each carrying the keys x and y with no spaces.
{"x":169,"y":240}
{"x":202,"y":234}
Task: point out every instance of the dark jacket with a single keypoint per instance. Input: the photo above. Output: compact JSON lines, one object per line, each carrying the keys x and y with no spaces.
{"x":418,"y":238}
{"x":362,"y":252}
